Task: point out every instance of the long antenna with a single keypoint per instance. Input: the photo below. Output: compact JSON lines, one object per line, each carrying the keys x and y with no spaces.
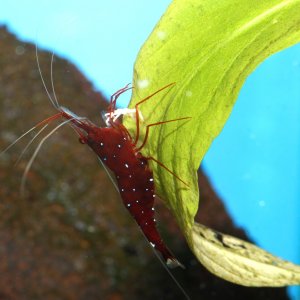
{"x":29,"y":164}
{"x":108,"y":174}
{"x":30,"y":142}
{"x":18,"y":139}
{"x":42,"y":78}
{"x":52,"y":81}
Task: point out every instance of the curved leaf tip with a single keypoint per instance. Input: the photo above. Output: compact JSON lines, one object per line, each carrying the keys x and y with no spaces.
{"x":241,"y":262}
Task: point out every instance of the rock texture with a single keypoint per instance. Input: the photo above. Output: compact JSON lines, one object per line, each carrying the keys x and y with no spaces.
{"x":69,"y":236}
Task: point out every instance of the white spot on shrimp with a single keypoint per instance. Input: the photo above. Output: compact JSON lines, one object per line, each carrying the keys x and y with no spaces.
{"x":130,"y":176}
{"x":151,"y":179}
{"x":118,"y":176}
{"x":152,"y":244}
{"x":142,"y":211}
{"x":137,"y":201}
{"x":152,"y":208}
{"x":101,"y":144}
{"x":154,"y":220}
{"x":114,"y":156}
{"x":119,"y":145}
{"x":189,"y":93}
{"x":143,"y":83}
{"x":153,"y":196}
{"x":126,"y":165}
{"x":146,"y":223}
{"x":105,"y":158}
{"x":161,"y":35}
{"x":124,"y":138}
{"x":133,"y":190}
{"x":147,"y":190}
{"x":122,"y":190}
{"x":128,"y":205}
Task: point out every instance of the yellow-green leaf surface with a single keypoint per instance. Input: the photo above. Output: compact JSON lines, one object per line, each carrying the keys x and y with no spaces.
{"x":208,"y":48}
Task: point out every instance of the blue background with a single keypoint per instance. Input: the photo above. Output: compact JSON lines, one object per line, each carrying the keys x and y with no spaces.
{"x":253,"y":164}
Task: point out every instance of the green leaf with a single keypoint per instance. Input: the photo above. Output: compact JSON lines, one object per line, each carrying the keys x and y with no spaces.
{"x":208,"y":48}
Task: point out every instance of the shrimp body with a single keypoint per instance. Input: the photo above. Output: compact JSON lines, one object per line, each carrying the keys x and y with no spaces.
{"x":134,"y":179}
{"x":118,"y":151}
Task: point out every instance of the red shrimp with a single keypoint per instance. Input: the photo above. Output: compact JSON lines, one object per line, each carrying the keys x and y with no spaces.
{"x":119,"y":152}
